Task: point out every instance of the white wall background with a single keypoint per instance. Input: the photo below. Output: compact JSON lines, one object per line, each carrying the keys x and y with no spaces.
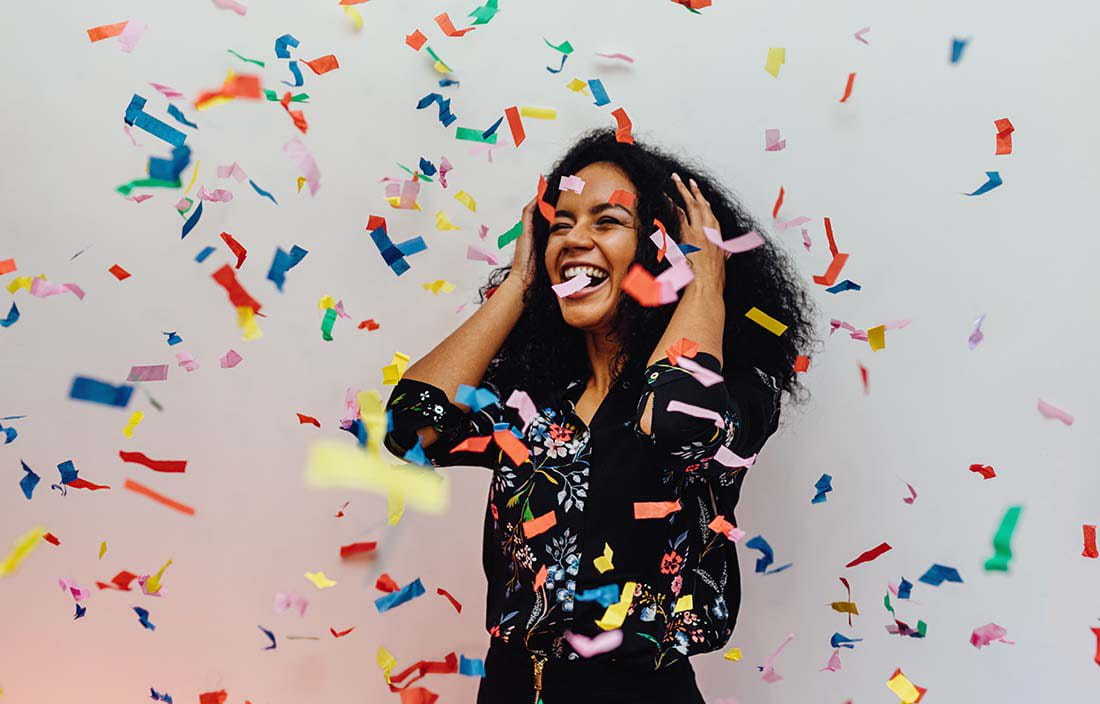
{"x":888,"y":168}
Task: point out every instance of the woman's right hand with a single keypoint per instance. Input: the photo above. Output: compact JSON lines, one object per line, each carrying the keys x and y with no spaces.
{"x":523,"y":261}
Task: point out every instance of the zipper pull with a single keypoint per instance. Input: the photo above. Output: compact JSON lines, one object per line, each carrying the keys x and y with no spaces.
{"x":538,"y":665}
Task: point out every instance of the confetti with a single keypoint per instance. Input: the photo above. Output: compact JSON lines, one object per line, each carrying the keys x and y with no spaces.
{"x":1002,"y":541}
{"x":848,"y":88}
{"x":985,"y":470}
{"x":938,"y":574}
{"x":958,"y":44}
{"x":823,"y":485}
{"x":869,"y":555}
{"x":403,"y":595}
{"x":767,"y":556}
{"x":145,"y":491}
{"x":993,"y":180}
{"x":1089,"y":531}
{"x":776,"y":58}
{"x":1004,"y":135}
{"x":588,"y":647}
{"x":454,"y":602}
{"x":143,"y":618}
{"x":85,"y":389}
{"x":900,"y":685}
{"x":988,"y":634}
{"x":1048,"y":410}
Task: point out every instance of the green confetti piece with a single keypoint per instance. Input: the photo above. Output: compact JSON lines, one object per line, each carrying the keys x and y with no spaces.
{"x":510,"y":236}
{"x":125,"y":188}
{"x":421,"y":176}
{"x":435,"y":56}
{"x":472,"y":135}
{"x":274,"y":97}
{"x":327,"y":323}
{"x":565,"y":47}
{"x":922,"y":628}
{"x":1002,"y":541}
{"x":246,"y":59}
{"x":485,"y":13}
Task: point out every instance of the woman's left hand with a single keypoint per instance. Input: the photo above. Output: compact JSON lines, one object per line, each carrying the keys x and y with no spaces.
{"x":709,"y":263}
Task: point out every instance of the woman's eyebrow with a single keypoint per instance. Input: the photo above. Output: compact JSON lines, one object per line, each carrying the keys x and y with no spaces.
{"x":596,"y":209}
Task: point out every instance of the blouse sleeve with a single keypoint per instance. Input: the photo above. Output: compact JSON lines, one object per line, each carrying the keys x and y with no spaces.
{"x":747,"y":405}
{"x":415,"y":404}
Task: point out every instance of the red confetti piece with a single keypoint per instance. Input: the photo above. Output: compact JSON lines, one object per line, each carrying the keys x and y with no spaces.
{"x":1096,"y":632}
{"x":829,"y":235}
{"x":454,"y":602}
{"x":236,"y":247}
{"x":801,"y":363}
{"x":1004,"y":135}
{"x":51,"y":539}
{"x":386,"y":584}
{"x":159,"y":498}
{"x":237,"y":295}
{"x":622,"y":132}
{"x":369,"y":324}
{"x":297,"y":116}
{"x":864,"y":374}
{"x":870,"y":554}
{"x":120,"y":582}
{"x":621,"y":197}
{"x":7,"y":266}
{"x":1090,"y":541}
{"x":416,"y":39}
{"x":516,"y":125}
{"x":912,"y":494}
{"x":213,"y":697}
{"x":106,"y":31}
{"x":340,"y":634}
{"x":778,"y":204}
{"x":353,"y":549}
{"x":448,"y":27}
{"x":155,"y":465}
{"x":79,"y":483}
{"x":848,"y":88}
{"x":323,"y":64}
{"x":418,"y":695}
{"x":119,"y":273}
{"x":985,"y":470}
{"x":447,"y":666}
{"x":303,"y":419}
{"x":545,"y":208}
{"x":340,"y":513}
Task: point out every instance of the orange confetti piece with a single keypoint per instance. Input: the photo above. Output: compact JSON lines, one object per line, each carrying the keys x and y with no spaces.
{"x":245,"y":86}
{"x":622,"y":132}
{"x":778,"y":204}
{"x":829,"y":278}
{"x":323,"y":64}
{"x":512,"y":446}
{"x":1004,"y":135}
{"x":683,"y":347}
{"x":416,"y":39}
{"x":540,"y":524}
{"x":655,"y":509}
{"x":297,"y":116}
{"x":473,"y":444}
{"x":159,"y":498}
{"x":106,"y":31}
{"x":642,"y":286}
{"x":515,"y":124}
{"x":448,"y":27}
{"x":304,"y":419}
{"x":801,"y":363}
{"x":848,"y":88}
{"x":236,"y":247}
{"x":7,"y":266}
{"x":621,"y":197}
{"x":545,"y":208}
{"x":119,"y":273}
{"x":218,"y":697}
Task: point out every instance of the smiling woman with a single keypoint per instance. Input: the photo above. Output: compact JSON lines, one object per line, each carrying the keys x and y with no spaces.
{"x":608,"y":543}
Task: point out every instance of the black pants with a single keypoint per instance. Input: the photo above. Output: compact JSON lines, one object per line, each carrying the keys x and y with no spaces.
{"x":509,"y":679}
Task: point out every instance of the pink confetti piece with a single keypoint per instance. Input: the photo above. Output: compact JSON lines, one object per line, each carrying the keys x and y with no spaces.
{"x":78,"y":592}
{"x":769,"y":674}
{"x":143,"y":580}
{"x":735,"y":245}
{"x":184,"y":204}
{"x":617,"y":56}
{"x":230,"y":359}
{"x":483,"y":231}
{"x":793,"y":222}
{"x":703,"y":375}
{"x":572,"y":183}
{"x":772,"y":142}
{"x":477,"y":254}
{"x":139,"y":199}
{"x":976,"y":335}
{"x":187,"y":361}
{"x":167,"y":91}
{"x":1047,"y":410}
{"x":126,"y":129}
{"x":524,"y":406}
{"x":806,"y":240}
{"x":233,"y":170}
{"x":672,"y":250}
{"x":912,"y":494}
{"x":834,"y":662}
{"x":131,"y":35}
{"x":987,"y":634}
{"x":290,"y":600}
{"x":675,"y":406}
{"x":297,"y":151}
{"x":444,"y":166}
{"x":43,"y":289}
{"x":859,"y":35}
{"x":409,"y":191}
{"x":568,"y":288}
{"x":231,"y":5}
{"x":151,"y":372}
{"x":218,"y":195}
{"x":587,"y":647}
{"x":730,"y":458}
{"x":481,"y":148}
{"x":339,"y":307}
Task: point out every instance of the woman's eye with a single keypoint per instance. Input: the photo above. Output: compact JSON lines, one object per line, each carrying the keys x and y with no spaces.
{"x":559,"y":226}
{"x":608,"y":221}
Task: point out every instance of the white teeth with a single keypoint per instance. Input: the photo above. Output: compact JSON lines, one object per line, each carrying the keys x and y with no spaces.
{"x":592,"y":272}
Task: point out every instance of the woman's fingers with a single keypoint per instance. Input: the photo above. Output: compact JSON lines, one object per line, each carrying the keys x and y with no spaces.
{"x":704,"y":206}
{"x":529,"y":215}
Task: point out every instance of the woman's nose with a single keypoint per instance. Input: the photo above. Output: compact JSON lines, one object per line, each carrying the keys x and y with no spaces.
{"x":579,"y":237}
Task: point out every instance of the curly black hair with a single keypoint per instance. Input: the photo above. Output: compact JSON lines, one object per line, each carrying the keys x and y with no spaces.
{"x":542,"y":353}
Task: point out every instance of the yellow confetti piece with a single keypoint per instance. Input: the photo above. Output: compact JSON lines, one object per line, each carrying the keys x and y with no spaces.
{"x":603,"y":562}
{"x":373,"y":414}
{"x":357,"y":19}
{"x":212,"y":101}
{"x":246,"y":320}
{"x":326,"y":302}
{"x":319,"y":580}
{"x":21,"y":282}
{"x":684,"y":603}
{"x":616,"y":613}
{"x":386,"y":662}
{"x":392,"y":372}
{"x":845,"y":607}
{"x":900,"y":685}
{"x":338,"y":465}
{"x":441,"y":67}
{"x":396,"y":202}
{"x":766,"y":321}
{"x":467,"y":200}
{"x":102,"y":549}
{"x":577,"y":86}
{"x":538,"y":113}
{"x":152,"y":585}
{"x":135,"y":418}
{"x":777,"y":56}
{"x":395,"y":506}
{"x":439,"y":286}
{"x":194,"y":177}
{"x":23,"y":547}
{"x":443,"y":223}
{"x":876,"y":336}
{"x":733,"y":654}
{"x":302,"y":179}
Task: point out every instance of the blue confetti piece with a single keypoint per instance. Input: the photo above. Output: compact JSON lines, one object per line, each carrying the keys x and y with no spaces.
{"x":993,"y":180}
{"x":206,"y":252}
{"x":493,"y":129}
{"x":136,"y":116}
{"x":10,"y":434}
{"x":270,"y":635}
{"x":173,"y":338}
{"x":170,"y":169}
{"x":157,"y":696}
{"x":445,"y":115}
{"x":143,"y":618}
{"x":262,"y":192}
{"x":767,"y":556}
{"x":405,"y":594}
{"x":29,"y":481}
{"x":394,"y":255}
{"x":559,"y":68}
{"x":80,"y":611}
{"x":957,"y":46}
{"x":427,"y":167}
{"x":938,"y":574}
{"x":416,"y":454}
{"x":905,"y":588}
{"x":444,"y":82}
{"x":471,"y":667}
{"x":68,"y":471}
{"x":180,"y":117}
{"x":13,"y":316}
{"x":283,"y":263}
{"x":823,"y":485}
{"x":475,"y":398}
{"x":845,"y":285}
{"x":85,"y":389}
{"x":605,"y":595}
{"x":839,"y":640}
{"x":191,"y":221}
{"x":598,"y":92}
{"x":687,"y":248}
{"x":297,"y":73}
{"x":281,"y":44}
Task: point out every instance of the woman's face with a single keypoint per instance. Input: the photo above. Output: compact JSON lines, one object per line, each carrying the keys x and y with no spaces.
{"x":592,"y":236}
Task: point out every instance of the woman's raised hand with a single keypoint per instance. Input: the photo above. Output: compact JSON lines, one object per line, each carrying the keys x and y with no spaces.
{"x":523,"y":261}
{"x":709,"y":263}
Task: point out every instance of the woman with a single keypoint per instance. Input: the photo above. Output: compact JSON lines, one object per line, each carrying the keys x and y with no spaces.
{"x":605,"y":526}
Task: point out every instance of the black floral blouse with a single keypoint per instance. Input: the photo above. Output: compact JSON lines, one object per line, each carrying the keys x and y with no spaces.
{"x":576,"y":495}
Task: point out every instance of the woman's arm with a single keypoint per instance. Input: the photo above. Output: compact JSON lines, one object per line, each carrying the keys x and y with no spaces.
{"x":464,"y":355}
